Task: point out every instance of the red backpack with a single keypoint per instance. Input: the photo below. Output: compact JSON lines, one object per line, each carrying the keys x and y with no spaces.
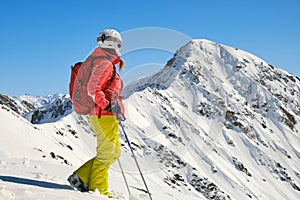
{"x":80,"y":75}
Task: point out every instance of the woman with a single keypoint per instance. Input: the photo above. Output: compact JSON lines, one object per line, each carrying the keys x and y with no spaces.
{"x":105,"y":87}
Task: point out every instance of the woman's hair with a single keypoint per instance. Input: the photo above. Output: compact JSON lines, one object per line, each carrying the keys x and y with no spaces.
{"x":121,"y":65}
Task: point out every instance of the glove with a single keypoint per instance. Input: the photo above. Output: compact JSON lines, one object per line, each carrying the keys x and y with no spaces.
{"x":113,"y":107}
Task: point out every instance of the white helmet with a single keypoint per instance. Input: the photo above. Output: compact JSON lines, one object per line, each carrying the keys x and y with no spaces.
{"x":110,"y":39}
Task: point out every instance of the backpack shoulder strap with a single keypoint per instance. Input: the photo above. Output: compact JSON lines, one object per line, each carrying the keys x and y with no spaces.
{"x":114,"y":74}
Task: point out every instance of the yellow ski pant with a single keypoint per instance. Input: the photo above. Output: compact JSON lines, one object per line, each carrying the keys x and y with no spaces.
{"x":94,"y":172}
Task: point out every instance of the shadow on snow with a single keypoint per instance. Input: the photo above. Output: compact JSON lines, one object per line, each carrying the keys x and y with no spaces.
{"x":37,"y":183}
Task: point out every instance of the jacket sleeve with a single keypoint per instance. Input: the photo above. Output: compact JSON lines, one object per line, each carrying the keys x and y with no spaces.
{"x":114,"y":92}
{"x":101,"y":73}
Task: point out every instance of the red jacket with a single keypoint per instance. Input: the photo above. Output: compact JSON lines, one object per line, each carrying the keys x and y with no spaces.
{"x":104,"y":85}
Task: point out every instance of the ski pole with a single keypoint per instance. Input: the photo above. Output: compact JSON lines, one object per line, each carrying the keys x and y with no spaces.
{"x":137,"y":164}
{"x":124,"y":177}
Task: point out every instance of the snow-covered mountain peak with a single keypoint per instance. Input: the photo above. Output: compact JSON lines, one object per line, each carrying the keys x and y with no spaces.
{"x":214,"y":99}
{"x":215,"y":59}
{"x":227,"y":73}
{"x":204,"y":57}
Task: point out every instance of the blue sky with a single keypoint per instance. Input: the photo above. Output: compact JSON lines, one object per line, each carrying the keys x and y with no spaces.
{"x":41,"y":39}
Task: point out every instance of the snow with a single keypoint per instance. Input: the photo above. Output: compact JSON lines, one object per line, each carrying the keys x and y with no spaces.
{"x":215,"y":123}
{"x":27,"y":170}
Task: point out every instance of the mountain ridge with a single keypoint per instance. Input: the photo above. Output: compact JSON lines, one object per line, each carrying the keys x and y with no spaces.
{"x":237,"y":90}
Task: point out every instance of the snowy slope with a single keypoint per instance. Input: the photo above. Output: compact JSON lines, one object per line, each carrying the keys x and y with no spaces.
{"x":37,"y":155}
{"x":36,"y":159}
{"x":215,"y":123}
